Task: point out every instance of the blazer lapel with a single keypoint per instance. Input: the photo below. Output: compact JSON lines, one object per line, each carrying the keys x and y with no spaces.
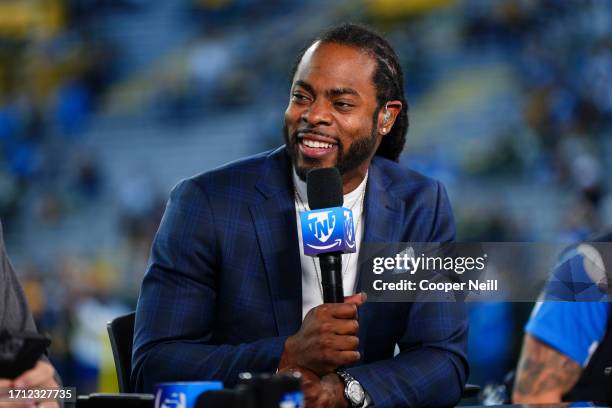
{"x":383,"y":216}
{"x":383,"y":223}
{"x":382,"y":209}
{"x":276,"y":229}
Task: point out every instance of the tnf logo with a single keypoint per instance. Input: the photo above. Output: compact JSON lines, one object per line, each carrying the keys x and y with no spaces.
{"x":327,"y":230}
{"x":322,"y":224}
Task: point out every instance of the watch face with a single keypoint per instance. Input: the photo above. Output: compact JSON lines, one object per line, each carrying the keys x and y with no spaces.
{"x":355,"y":393}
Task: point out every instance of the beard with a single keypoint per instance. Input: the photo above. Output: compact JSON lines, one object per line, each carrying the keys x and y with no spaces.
{"x":361,"y":149}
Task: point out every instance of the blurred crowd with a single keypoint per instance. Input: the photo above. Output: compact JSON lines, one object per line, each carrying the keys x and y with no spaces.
{"x":54,"y":73}
{"x":65,"y":66}
{"x":561,"y":57}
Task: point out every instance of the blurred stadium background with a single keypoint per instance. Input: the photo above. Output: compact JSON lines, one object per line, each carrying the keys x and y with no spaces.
{"x":106,"y":104}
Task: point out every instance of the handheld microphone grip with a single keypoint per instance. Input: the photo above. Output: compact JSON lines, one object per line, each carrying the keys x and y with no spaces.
{"x":331,"y":277}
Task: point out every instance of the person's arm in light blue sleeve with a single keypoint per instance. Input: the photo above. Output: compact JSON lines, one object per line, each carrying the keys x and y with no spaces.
{"x":560,"y":338}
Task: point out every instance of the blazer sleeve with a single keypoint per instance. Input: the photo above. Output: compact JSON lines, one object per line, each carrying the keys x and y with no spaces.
{"x":431,"y":368}
{"x":15,"y":313}
{"x":175,"y":315}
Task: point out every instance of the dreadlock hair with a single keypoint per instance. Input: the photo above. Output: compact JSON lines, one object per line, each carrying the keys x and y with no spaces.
{"x":388,"y":77}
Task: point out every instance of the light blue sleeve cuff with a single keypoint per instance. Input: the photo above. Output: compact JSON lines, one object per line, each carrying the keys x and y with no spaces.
{"x":573,"y":328}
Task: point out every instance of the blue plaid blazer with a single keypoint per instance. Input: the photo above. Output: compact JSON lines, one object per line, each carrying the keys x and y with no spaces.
{"x":223,"y":286}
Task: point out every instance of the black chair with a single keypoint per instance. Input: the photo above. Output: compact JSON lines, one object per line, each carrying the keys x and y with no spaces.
{"x":121,"y":334}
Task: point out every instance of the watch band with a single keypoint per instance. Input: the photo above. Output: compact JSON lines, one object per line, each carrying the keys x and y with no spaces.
{"x":348,"y":379}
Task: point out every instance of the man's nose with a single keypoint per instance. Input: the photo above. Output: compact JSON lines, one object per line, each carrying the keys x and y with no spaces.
{"x":318,"y":113}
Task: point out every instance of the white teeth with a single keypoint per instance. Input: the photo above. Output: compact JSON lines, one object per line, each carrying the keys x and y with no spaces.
{"x":317,"y":144}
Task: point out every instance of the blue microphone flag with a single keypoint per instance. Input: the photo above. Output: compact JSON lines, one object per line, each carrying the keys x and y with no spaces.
{"x":328,"y":230}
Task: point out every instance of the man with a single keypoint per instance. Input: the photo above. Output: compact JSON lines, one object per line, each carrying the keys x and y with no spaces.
{"x":228,"y":289}
{"x":15,"y":316}
{"x":568,"y":344}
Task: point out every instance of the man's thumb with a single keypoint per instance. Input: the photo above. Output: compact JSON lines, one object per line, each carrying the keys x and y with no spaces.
{"x":357,"y":298}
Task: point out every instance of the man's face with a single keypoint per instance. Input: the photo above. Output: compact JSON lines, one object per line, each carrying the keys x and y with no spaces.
{"x":331,"y":119}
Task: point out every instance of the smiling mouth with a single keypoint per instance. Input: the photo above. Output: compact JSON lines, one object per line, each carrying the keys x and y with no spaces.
{"x":314,"y":146}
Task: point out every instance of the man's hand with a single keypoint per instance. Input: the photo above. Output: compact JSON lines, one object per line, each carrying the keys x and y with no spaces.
{"x":40,"y":376}
{"x":326,"y":392}
{"x":327,"y":338}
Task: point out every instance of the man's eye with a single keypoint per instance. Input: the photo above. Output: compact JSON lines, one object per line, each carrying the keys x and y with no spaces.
{"x":344,"y":105}
{"x":299,"y":97}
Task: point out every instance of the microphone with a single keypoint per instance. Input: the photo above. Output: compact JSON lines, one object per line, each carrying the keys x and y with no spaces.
{"x":327,"y":229}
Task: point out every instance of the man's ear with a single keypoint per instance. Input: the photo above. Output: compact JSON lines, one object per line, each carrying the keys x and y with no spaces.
{"x":387,"y":116}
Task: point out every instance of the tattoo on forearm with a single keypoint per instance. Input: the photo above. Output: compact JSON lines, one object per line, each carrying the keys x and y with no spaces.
{"x":543,"y":370}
